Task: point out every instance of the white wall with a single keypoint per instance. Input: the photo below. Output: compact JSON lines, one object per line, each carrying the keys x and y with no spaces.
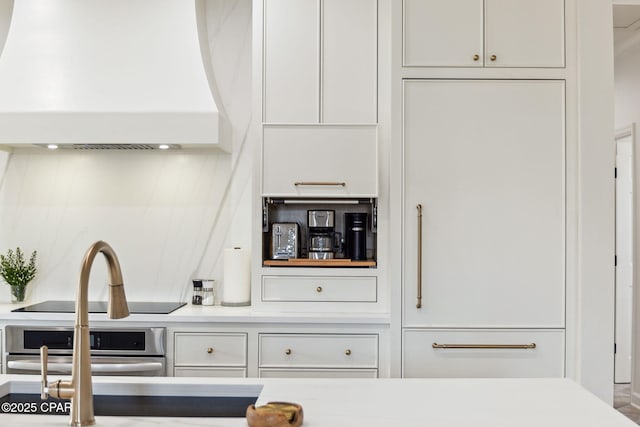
{"x":6,"y":6}
{"x":627,"y":111}
{"x":168,"y":215}
{"x":627,"y":87}
{"x":593,"y":307}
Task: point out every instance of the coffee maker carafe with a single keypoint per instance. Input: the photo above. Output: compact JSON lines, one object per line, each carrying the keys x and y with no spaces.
{"x":323,"y":240}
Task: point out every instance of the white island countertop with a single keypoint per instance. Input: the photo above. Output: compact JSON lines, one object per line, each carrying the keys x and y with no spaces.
{"x":390,"y":402}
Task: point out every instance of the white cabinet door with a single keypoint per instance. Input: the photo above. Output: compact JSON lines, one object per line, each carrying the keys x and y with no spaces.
{"x":318,"y":351}
{"x":319,"y":289}
{"x":210,"y":372}
{"x":317,"y":373}
{"x":210,"y":349}
{"x":483,"y":354}
{"x":476,"y":33}
{"x":485,"y":160}
{"x":291,"y":61}
{"x":442,"y":33}
{"x":524,"y":33}
{"x":349,"y":61}
{"x":319,"y":161}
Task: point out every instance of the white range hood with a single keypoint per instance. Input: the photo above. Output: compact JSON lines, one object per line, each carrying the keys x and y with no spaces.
{"x":101,"y":72}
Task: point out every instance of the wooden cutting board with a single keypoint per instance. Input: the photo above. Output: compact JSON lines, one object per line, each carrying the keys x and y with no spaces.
{"x":304,"y":262}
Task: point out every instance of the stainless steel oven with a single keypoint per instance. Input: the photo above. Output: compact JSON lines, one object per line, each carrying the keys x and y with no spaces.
{"x":123,"y":351}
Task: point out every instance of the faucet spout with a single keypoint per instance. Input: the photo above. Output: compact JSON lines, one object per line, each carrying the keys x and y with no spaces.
{"x":80,"y":388}
{"x":117,"y":307}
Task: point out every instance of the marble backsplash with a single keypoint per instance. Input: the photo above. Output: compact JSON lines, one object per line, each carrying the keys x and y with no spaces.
{"x":168,"y":215}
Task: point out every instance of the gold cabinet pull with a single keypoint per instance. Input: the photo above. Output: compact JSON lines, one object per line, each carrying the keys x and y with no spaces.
{"x":348,"y":352}
{"x":486,"y":346}
{"x":210,"y":350}
{"x":320,"y":183}
{"x":476,"y":57}
{"x":287,"y":351}
{"x":419,"y":303}
{"x":493,"y":57}
{"x":319,"y":289}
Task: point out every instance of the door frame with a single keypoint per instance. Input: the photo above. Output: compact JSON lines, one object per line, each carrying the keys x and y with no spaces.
{"x":628,"y":131}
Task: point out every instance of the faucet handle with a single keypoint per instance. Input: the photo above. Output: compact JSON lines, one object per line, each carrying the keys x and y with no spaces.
{"x":59,"y":389}
{"x":44,"y":360}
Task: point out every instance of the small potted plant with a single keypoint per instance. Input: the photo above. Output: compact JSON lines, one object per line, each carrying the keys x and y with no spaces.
{"x":17,"y":273}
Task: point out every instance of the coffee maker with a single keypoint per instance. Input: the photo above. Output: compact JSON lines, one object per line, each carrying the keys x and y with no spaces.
{"x":323,"y":239}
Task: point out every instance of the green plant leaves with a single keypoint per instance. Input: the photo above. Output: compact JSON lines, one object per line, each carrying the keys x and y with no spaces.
{"x":14,"y":270}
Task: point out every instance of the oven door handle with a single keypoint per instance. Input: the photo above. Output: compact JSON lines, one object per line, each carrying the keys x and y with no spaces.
{"x":111,"y":368}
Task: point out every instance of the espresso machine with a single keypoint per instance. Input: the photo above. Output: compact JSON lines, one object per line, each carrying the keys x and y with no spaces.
{"x":323,"y":240}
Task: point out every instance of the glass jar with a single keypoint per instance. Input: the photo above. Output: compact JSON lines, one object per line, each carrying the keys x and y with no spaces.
{"x":208,"y":294}
{"x":196,"y":299}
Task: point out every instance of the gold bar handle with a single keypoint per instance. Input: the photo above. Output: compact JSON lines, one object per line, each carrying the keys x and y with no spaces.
{"x":419,"y":303}
{"x":486,"y":346}
{"x":320,"y":183}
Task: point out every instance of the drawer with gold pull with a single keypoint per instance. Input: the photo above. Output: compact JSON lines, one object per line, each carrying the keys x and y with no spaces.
{"x":483,"y":353}
{"x":319,"y":288}
{"x":318,"y":350}
{"x":316,"y":373}
{"x":217,"y":372}
{"x":210,"y":349}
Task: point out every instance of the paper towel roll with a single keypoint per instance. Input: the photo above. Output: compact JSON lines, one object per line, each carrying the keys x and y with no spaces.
{"x":236,"y":289}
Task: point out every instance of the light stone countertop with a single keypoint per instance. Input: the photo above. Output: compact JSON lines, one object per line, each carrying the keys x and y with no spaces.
{"x":388,"y":402}
{"x":205,"y":314}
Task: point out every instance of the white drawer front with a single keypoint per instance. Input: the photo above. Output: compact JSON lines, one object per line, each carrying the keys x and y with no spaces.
{"x":323,"y":289}
{"x":318,"y":351}
{"x":211,"y":372}
{"x":421,"y":359}
{"x":320,"y":161}
{"x":318,"y":373}
{"x":210,"y":349}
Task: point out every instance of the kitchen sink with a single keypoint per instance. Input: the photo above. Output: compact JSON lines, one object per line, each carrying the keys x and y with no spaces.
{"x":138,"y":399}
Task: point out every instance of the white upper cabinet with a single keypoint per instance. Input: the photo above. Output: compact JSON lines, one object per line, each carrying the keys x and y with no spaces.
{"x":319,"y":161}
{"x":349,"y":61}
{"x":320,"y":61}
{"x":291,"y":61}
{"x":443,"y":33}
{"x":524,"y":33}
{"x":489,"y":33}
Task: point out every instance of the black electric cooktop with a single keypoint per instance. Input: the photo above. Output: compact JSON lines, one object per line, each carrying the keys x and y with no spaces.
{"x":135,"y":307}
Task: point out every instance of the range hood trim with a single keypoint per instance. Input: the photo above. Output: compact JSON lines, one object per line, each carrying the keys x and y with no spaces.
{"x":185,"y":129}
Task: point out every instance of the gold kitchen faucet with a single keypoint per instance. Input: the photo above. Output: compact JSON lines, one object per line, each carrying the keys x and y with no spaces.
{"x":79,"y":389}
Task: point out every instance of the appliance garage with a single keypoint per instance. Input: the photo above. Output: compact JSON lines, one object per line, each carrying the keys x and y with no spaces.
{"x":319,"y":232}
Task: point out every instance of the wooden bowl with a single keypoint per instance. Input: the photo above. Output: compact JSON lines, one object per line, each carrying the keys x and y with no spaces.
{"x":275,"y":414}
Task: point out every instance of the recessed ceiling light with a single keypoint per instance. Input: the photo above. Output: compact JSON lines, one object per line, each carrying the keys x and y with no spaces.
{"x":52,"y":146}
{"x":163,"y":146}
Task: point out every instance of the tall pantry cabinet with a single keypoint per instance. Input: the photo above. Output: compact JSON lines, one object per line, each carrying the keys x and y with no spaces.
{"x":483,"y":200}
{"x":484,"y":226}
{"x":317,"y":62}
